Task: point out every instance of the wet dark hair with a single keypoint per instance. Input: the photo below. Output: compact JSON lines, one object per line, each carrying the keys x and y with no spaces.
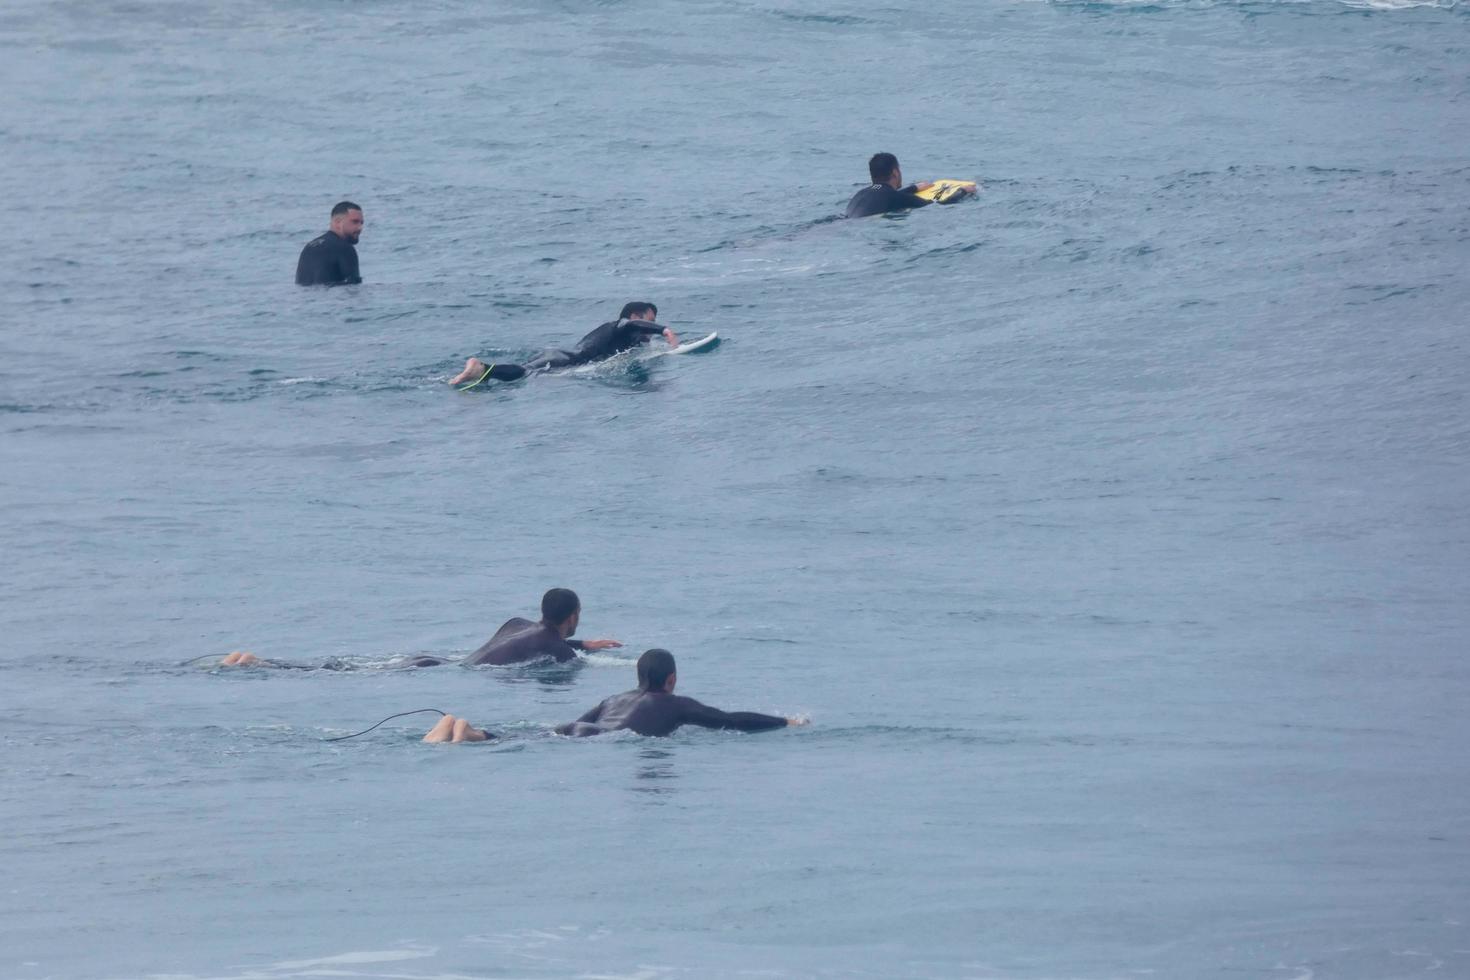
{"x":881,"y":166}
{"x":342,"y":207}
{"x":655,"y":668}
{"x":633,"y":309}
{"x":557,"y":606}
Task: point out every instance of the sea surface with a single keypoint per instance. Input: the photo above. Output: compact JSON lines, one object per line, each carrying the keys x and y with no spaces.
{"x":1111,"y":528}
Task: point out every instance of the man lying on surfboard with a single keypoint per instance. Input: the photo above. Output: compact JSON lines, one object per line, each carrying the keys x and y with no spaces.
{"x":887,"y":192}
{"x":518,"y":641}
{"x":651,"y":708}
{"x":634,"y":326}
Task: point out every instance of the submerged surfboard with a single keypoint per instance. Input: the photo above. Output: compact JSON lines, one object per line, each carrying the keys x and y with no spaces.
{"x":948,"y":191}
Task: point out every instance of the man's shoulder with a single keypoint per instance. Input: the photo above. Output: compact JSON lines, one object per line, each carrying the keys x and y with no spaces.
{"x":329,"y":240}
{"x":688,"y":704}
{"x":516,"y":624}
{"x":866,"y":198}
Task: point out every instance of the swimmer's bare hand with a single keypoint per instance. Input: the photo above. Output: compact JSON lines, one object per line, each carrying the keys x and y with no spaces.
{"x":671,"y":337}
{"x":798,"y":721}
{"x":600,"y":644}
{"x":923,"y":185}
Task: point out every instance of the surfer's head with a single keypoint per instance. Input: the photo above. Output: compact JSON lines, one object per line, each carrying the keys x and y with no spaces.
{"x":561,"y":609}
{"x":656,"y":671}
{"x":639,"y":311}
{"x":347,"y":221}
{"x":883,"y":168}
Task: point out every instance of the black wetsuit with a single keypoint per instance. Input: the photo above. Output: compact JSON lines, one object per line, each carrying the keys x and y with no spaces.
{"x":328,"y":260}
{"x":881,"y":199}
{"x":612,"y":337}
{"x":659,"y":713}
{"x":520,"y":640}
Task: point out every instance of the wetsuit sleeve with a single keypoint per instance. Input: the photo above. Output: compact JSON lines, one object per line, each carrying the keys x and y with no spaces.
{"x":350,"y":274}
{"x":694,"y":713}
{"x":577,"y":645}
{"x":642,"y":326}
{"x":911,"y":198}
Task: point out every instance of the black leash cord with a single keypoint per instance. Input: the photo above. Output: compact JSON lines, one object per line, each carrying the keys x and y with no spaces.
{"x":416,"y":711}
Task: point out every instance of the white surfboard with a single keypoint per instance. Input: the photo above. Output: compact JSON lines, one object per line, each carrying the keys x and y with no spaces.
{"x":639,"y":355}
{"x":688,"y":347}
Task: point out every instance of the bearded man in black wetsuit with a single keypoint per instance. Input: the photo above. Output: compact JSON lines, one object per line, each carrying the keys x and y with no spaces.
{"x":520,"y":640}
{"x":634,"y":326}
{"x":887,"y":192}
{"x":330,"y":259}
{"x":652,"y":708}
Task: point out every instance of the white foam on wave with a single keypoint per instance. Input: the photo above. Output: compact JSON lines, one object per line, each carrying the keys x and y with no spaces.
{"x":1383,"y":5}
{"x":603,"y":660}
{"x":357,"y":963}
{"x":359,"y":958}
{"x":1398,"y":4}
{"x":301,"y":381}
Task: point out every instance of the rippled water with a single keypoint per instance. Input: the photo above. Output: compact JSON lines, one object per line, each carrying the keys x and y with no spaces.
{"x":1110,"y":528}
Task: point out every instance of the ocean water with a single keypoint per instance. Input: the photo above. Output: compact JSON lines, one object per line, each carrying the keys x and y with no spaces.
{"x":1110,"y":528}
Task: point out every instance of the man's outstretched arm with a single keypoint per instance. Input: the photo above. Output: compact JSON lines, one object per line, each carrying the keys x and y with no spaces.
{"x":695,"y":713}
{"x":652,"y":329}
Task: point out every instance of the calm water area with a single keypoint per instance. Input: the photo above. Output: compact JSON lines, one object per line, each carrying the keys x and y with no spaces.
{"x":1111,"y":528}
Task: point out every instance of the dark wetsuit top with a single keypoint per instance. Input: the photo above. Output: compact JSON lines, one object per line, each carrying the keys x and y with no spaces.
{"x":880,"y":199}
{"x":329,"y":260}
{"x":659,"y":713}
{"x":610,"y":338}
{"x":520,"y":640}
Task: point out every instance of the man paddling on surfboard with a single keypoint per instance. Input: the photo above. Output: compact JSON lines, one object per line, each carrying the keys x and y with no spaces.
{"x":517,"y":641}
{"x":633,"y":327}
{"x":651,"y":708}
{"x":887,"y":192}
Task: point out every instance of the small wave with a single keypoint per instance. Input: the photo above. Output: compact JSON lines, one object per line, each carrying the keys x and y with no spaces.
{"x":605,"y":660}
{"x":836,"y":20}
{"x":359,"y":958}
{"x":302,"y":381}
{"x":1148,"y":6}
{"x":1398,"y":4}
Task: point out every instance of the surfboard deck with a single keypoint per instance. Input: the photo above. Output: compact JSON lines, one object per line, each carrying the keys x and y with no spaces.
{"x":688,"y":347}
{"x":948,"y":191}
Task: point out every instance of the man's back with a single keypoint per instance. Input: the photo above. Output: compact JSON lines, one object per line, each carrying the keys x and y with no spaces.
{"x":614,"y":337}
{"x":881,"y":199}
{"x":661,"y":713}
{"x":327,"y":260}
{"x":520,"y":640}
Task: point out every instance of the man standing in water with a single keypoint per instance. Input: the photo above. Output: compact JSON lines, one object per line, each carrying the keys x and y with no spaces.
{"x":651,"y":708}
{"x":634,"y":326}
{"x":331,"y":259}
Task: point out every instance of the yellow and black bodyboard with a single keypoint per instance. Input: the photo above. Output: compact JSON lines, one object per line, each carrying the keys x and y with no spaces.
{"x":948,"y":191}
